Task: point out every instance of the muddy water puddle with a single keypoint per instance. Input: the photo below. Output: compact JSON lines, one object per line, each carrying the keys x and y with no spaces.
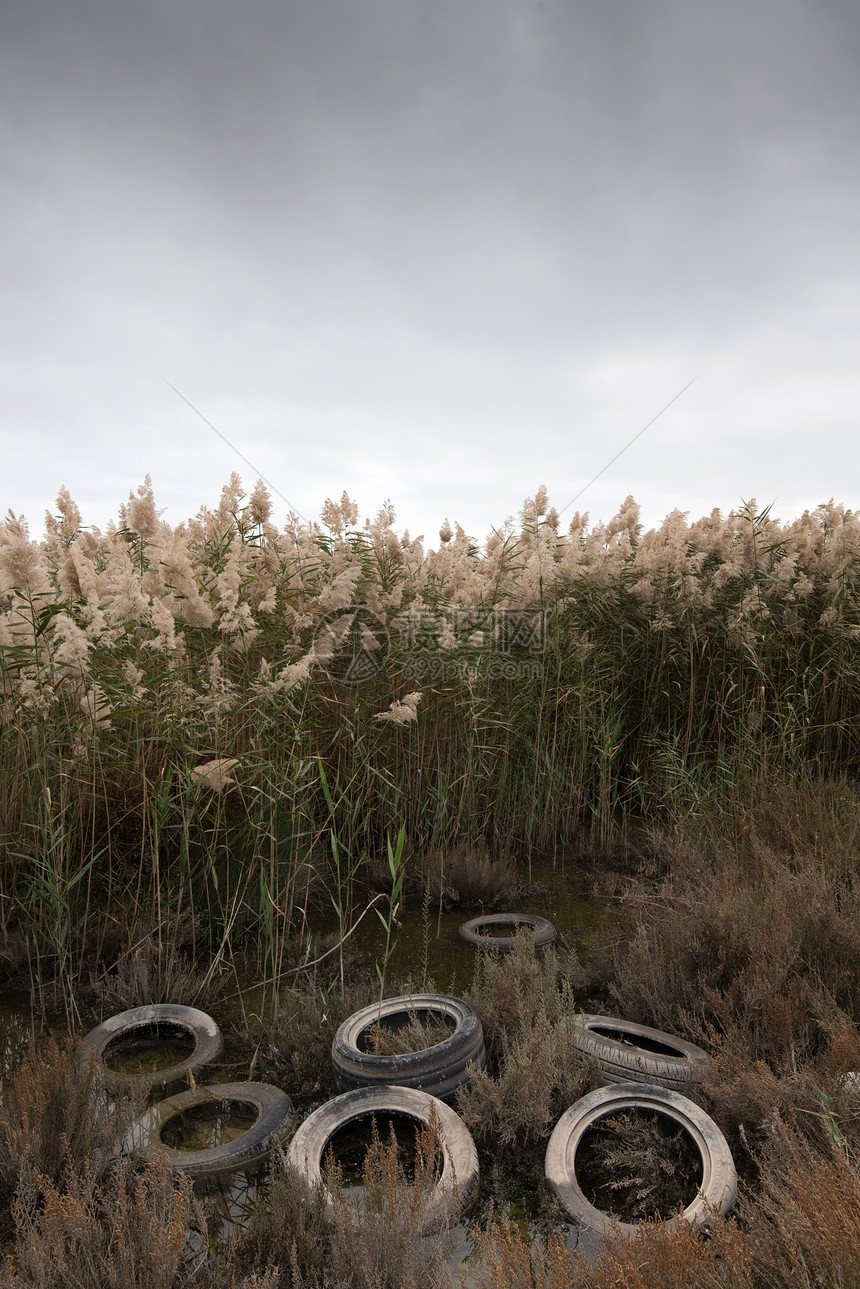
{"x":430,"y":954}
{"x":206,"y":1127}
{"x":150,"y":1053}
{"x":429,"y":947}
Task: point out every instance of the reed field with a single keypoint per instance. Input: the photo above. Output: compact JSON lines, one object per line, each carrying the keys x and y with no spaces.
{"x":222,"y":716}
{"x":207,"y":732}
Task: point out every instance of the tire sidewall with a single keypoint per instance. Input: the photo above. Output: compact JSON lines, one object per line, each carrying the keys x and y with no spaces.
{"x":200,"y":1027}
{"x":460,"y":1157}
{"x":437,"y":1070}
{"x":274,"y":1112}
{"x":620,"y":1062}
{"x":542,"y":928}
{"x":717,"y":1191}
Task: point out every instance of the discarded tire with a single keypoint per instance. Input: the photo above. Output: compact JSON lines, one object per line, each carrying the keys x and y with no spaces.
{"x":625,"y":1051}
{"x":272,"y":1111}
{"x":459,"y":1156}
{"x":717,"y":1190}
{"x":154,"y":1021}
{"x":438,"y":1070}
{"x":476,"y":932}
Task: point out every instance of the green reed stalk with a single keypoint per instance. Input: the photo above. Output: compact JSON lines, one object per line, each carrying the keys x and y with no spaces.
{"x":389,"y":919}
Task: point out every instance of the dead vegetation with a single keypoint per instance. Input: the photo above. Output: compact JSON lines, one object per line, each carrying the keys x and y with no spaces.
{"x":376,"y":1244}
{"x":739,"y":934}
{"x":525,"y":1002}
{"x":421,"y":1030}
{"x":635,"y":1165}
{"x":57,"y":1120}
{"x":797,"y":1227}
{"x":155,"y":966}
{"x":470,"y":875}
{"x":137,"y":1228}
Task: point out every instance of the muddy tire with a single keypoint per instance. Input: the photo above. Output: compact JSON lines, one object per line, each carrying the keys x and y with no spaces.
{"x":719,"y":1186}
{"x":437,"y":1070}
{"x":627,"y":1052}
{"x":475,"y":931}
{"x":166,"y":1020}
{"x":273,"y":1115}
{"x":459,"y":1156}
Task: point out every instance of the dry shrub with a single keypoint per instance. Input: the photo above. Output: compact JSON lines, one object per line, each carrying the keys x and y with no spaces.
{"x":813,"y":822}
{"x":469,"y":874}
{"x":154,"y":969}
{"x":503,"y":1259}
{"x":58,"y":1117}
{"x":415,"y":1036}
{"x":378,"y":1243}
{"x":535,"y":1072}
{"x":747,"y":1097}
{"x":803,"y":1217}
{"x":295,"y":1043}
{"x":286,"y":1231}
{"x":750,"y":947}
{"x":661,"y":1257}
{"x":640,"y":1165}
{"x":656,"y":1257}
{"x":131,"y":1231}
{"x":270,"y":1279}
{"x":373,"y":1244}
{"x":539,"y":1074}
{"x":514,"y":991}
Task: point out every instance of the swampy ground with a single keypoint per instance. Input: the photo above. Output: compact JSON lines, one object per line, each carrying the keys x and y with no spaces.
{"x":737,"y":932}
{"x":265,"y":771}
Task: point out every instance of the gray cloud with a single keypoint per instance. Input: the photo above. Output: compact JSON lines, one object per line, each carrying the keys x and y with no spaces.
{"x":441,"y":253}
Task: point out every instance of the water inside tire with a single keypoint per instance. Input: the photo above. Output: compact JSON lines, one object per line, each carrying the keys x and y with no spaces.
{"x":204,"y":1127}
{"x":148,"y":1049}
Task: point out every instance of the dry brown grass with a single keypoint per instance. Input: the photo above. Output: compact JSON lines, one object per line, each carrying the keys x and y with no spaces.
{"x":57,"y":1117}
{"x":513,"y":992}
{"x":803,"y":1218}
{"x":130,"y":1232}
{"x":753,"y":945}
{"x":525,"y":1002}
{"x":537,"y":1076}
{"x":288,"y":1233}
{"x":154,"y":968}
{"x":415,"y":1036}
{"x":376,"y":1243}
{"x":295,"y":1038}
{"x":471,"y":875}
{"x":655,"y":1258}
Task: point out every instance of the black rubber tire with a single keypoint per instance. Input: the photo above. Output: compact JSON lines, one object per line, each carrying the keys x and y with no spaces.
{"x":438,"y":1070}
{"x":719,"y":1187}
{"x":543,"y":929}
{"x":274,"y":1113}
{"x":627,"y":1052}
{"x":459,"y":1155}
{"x":172,"y":1017}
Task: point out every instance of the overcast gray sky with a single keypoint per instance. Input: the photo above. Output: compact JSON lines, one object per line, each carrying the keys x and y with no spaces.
{"x":437,"y":251}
